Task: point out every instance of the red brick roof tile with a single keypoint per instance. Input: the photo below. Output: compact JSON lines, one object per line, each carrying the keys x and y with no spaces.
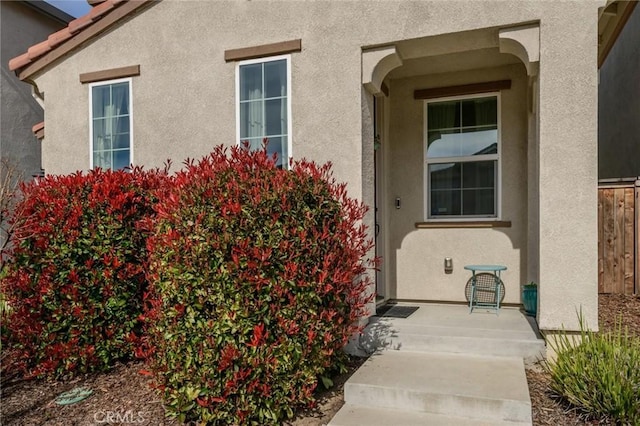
{"x":37,"y":127}
{"x":38,"y":50}
{"x":38,"y":130}
{"x":101,"y":9}
{"x":59,"y":37}
{"x":19,"y":61}
{"x":81,"y":22}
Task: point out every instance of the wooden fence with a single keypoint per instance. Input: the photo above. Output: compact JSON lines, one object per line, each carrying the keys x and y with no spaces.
{"x":618,"y":242}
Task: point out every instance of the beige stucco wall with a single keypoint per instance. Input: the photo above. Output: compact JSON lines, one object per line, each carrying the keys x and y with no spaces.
{"x":183,"y":104}
{"x":417,"y":255}
{"x":568,"y":173}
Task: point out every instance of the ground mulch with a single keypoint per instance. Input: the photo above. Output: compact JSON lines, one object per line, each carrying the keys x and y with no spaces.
{"x":548,"y":409}
{"x":125,"y":394}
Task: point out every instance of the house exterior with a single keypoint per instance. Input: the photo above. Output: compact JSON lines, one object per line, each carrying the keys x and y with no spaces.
{"x":470,"y":128}
{"x":22,"y":25}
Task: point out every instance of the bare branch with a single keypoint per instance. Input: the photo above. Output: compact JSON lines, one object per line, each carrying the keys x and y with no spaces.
{"x":10,"y":178}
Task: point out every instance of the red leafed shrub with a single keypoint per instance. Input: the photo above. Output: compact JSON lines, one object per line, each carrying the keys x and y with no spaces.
{"x":257,"y":276}
{"x":75,"y":275}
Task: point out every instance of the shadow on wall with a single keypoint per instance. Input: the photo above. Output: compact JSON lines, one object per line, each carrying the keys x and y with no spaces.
{"x":417,"y":255}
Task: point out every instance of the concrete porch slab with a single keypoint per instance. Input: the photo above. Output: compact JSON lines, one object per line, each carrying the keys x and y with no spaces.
{"x":451,"y":328}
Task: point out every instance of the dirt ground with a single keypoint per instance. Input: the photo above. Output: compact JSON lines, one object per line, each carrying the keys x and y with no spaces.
{"x":546,"y":407}
{"x":123,"y":396}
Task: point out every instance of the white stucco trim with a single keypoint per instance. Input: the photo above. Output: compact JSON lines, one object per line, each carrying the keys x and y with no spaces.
{"x":376,"y":64}
{"x":523,"y":42}
{"x":289,"y":96}
{"x":105,"y":83}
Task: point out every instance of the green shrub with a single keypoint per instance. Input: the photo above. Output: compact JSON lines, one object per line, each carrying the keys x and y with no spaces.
{"x":601,"y":375}
{"x":256,"y":280}
{"x":75,"y":274}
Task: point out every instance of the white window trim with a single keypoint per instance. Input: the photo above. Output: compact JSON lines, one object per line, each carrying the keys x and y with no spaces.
{"x":104,"y":83}
{"x":289,"y":115}
{"x":488,"y":157}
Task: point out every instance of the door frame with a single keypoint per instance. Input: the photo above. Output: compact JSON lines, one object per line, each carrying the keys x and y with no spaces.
{"x":379,"y":134}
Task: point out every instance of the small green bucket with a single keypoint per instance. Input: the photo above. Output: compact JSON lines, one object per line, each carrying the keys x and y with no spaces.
{"x":530,"y":300}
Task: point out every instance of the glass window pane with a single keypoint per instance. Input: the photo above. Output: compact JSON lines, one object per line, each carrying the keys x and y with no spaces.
{"x":121,"y":159}
{"x":445,"y":203}
{"x":284,"y":158}
{"x":121,"y":141}
{"x":444,"y":176}
{"x":444,"y":143}
{"x":120,"y":98}
{"x":443,"y":115}
{"x":254,"y":143}
{"x":275,"y":78}
{"x":277,"y":146}
{"x":480,"y":111}
{"x":274,"y":146}
{"x":481,"y":174}
{"x":251,"y":119}
{"x":102,"y":159}
{"x":100,"y":98}
{"x":276,"y":116}
{"x":479,"y":141}
{"x":250,"y":82}
{"x":478,"y":202}
{"x":101,"y":135}
{"x":121,"y":124}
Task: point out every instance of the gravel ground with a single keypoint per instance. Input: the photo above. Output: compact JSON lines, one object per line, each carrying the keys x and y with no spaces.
{"x":124,"y":393}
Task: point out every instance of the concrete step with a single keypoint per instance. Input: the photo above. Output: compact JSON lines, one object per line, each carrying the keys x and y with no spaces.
{"x":442,"y":339}
{"x":491,"y":389}
{"x":510,"y":334}
{"x":356,"y":415}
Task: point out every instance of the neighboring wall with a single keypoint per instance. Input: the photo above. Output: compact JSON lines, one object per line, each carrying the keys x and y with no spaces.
{"x":21,"y":26}
{"x":619,"y":105}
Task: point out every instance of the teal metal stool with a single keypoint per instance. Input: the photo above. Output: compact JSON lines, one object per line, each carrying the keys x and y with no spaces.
{"x":485,"y":289}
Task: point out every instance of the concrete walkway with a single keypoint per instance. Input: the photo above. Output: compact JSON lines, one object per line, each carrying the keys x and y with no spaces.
{"x":443,"y":366}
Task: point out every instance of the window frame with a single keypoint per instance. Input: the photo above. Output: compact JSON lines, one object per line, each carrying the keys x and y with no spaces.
{"x":128,"y":80}
{"x":474,"y":158}
{"x":262,"y":60}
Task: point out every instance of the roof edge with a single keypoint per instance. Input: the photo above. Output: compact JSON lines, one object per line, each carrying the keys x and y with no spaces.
{"x":79,"y":31}
{"x":50,"y":11}
{"x":607,"y":37}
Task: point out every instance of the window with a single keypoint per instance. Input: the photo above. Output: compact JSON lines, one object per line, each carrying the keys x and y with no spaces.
{"x":111,"y":146}
{"x":462,"y":157}
{"x":264,"y":105}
